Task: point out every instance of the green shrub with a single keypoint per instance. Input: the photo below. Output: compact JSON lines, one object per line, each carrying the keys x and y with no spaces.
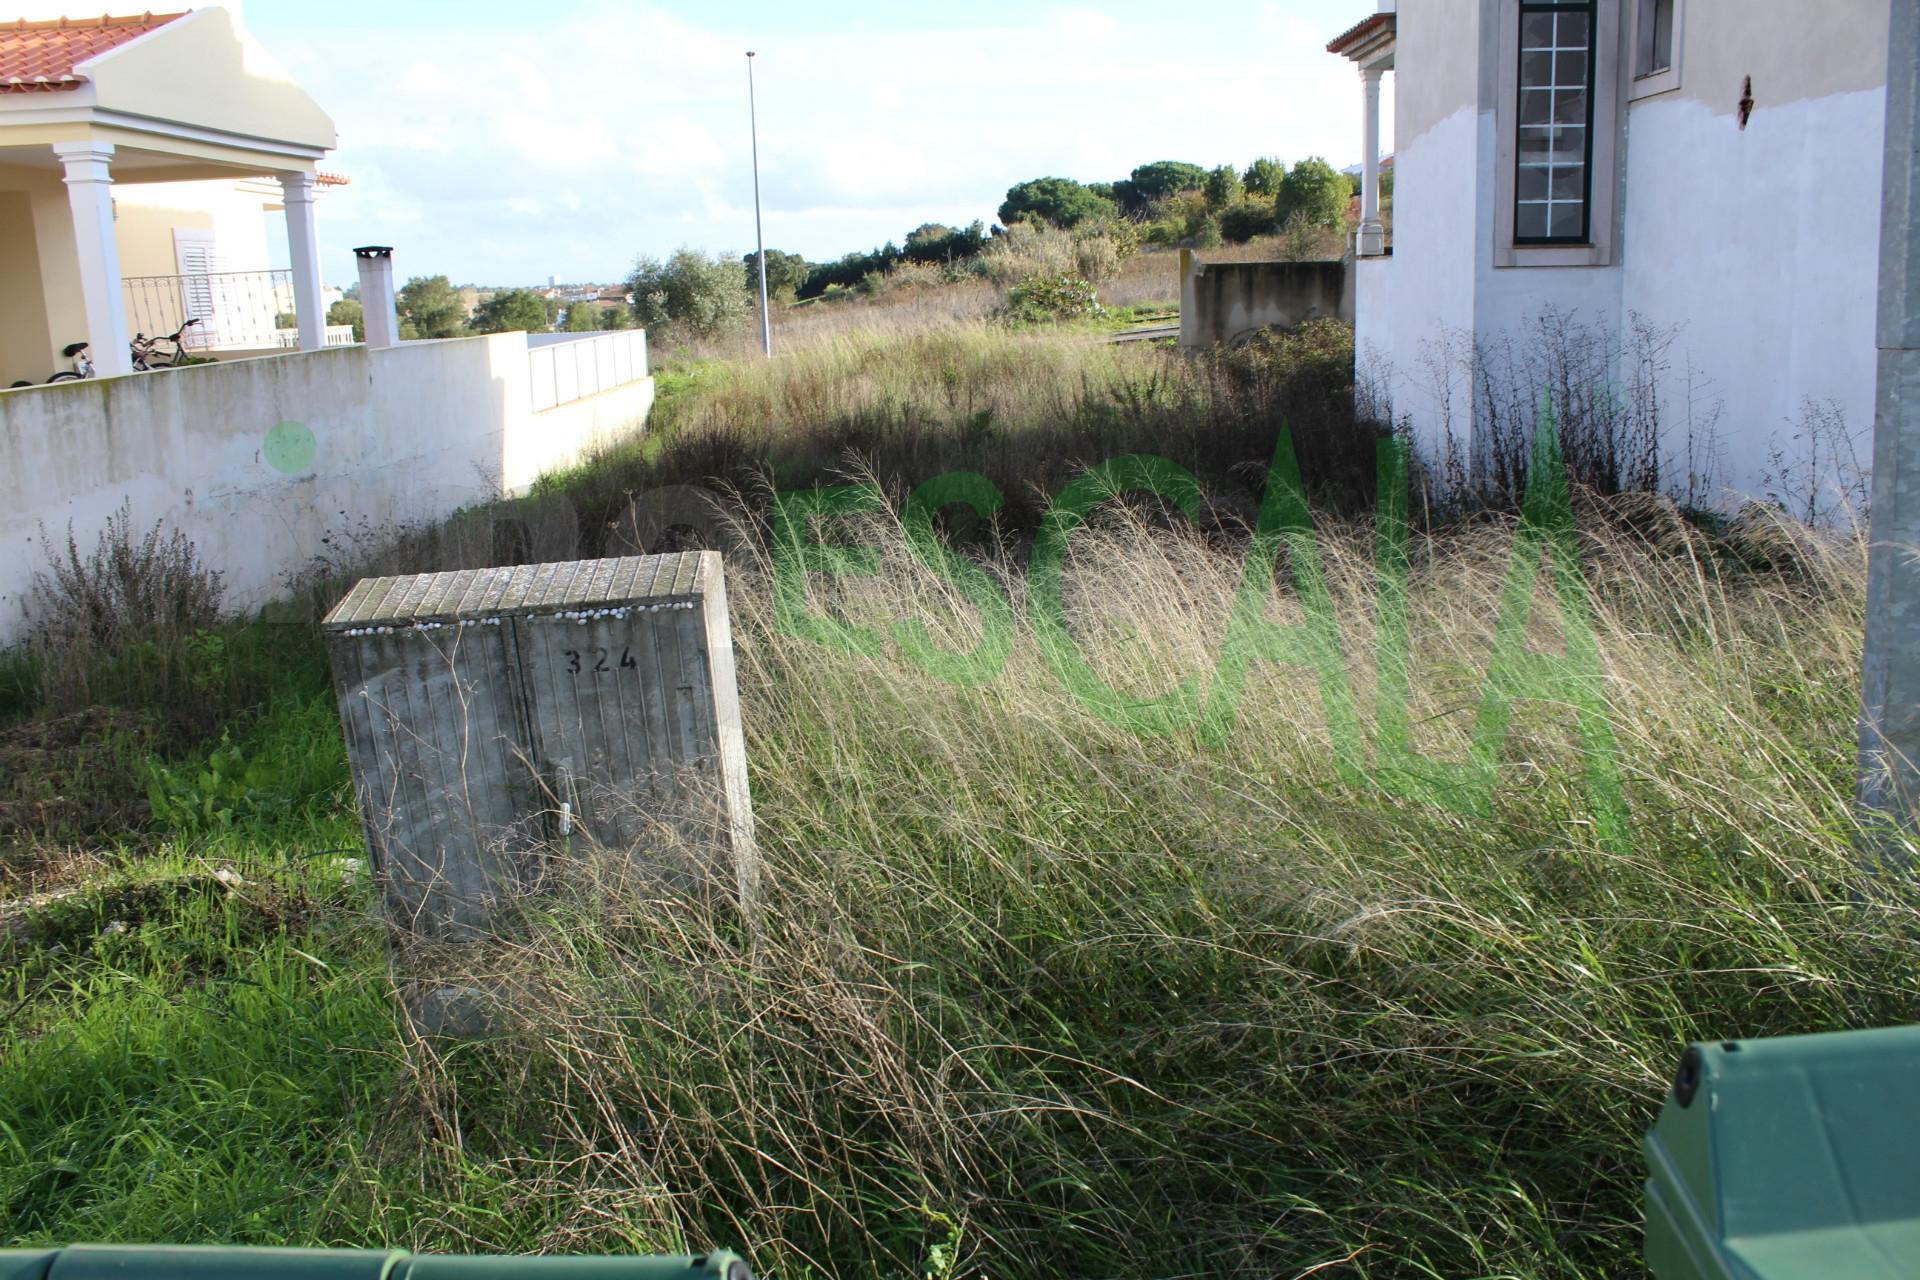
{"x":1316,"y":191}
{"x":929,"y":242}
{"x":1164,"y":233}
{"x":697,"y":295}
{"x":1224,"y":187}
{"x":511,"y":310}
{"x":786,"y":274}
{"x":287,"y":766}
{"x":1061,"y":202}
{"x":349,"y":311}
{"x":1047,"y":299}
{"x":1264,"y":176}
{"x":1303,"y":239}
{"x":1150,"y":183}
{"x":1183,"y":219}
{"x":1245,"y":219}
{"x":430,"y":307}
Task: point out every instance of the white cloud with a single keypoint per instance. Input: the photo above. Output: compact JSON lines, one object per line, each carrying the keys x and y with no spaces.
{"x":513,"y":149}
{"x":1083,"y":24}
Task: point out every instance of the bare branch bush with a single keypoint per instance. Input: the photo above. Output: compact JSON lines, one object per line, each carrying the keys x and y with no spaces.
{"x":120,"y":623}
{"x":1620,"y":429}
{"x":1816,"y":474}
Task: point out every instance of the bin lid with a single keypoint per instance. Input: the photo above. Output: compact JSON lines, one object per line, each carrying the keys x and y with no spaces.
{"x":1797,"y":1155}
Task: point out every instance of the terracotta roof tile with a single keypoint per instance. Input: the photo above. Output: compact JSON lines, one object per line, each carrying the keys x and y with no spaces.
{"x":1358,"y":31}
{"x":39,"y":57}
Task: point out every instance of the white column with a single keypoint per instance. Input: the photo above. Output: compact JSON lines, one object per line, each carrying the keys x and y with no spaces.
{"x":1890,"y":720}
{"x":1373,"y":240}
{"x":303,"y":251}
{"x":90,"y":192}
{"x":377,"y":306}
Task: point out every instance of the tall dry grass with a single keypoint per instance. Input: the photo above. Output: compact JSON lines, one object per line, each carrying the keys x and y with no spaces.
{"x":1026,"y":409}
{"x":918,"y":298}
{"x":1027,"y":994}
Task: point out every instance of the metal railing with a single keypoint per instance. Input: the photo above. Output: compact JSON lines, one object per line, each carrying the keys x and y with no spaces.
{"x":337,"y":335}
{"x":567,"y":367}
{"x":236,"y":309}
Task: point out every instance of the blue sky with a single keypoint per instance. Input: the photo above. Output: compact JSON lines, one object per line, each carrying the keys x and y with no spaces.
{"x":503,"y":143}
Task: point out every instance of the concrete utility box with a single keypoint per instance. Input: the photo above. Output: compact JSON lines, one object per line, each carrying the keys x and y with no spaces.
{"x":490,"y":712}
{"x":1796,"y":1158}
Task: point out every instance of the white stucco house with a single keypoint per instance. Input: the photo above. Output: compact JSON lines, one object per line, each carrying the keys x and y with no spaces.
{"x":138,"y":156}
{"x":1686,"y":191}
{"x":147,"y":164}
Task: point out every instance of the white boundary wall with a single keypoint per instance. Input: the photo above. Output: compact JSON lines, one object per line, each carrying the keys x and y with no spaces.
{"x":399,"y":435}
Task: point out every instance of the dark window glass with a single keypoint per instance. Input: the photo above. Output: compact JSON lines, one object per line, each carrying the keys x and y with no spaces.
{"x":1553,"y":149}
{"x":1656,"y":37}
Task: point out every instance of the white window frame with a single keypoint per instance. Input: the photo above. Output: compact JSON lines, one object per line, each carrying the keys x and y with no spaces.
{"x":197,"y":253}
{"x":1603,"y":214}
{"x":1667,"y":78}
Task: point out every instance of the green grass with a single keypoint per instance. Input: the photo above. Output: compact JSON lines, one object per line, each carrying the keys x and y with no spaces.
{"x":1026,"y":995}
{"x":1141,"y":313}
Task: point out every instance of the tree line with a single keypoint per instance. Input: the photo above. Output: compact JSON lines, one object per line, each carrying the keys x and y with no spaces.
{"x":431,"y":307}
{"x":1179,"y":202}
{"x":1171,"y":202}
{"x":1165,"y":202}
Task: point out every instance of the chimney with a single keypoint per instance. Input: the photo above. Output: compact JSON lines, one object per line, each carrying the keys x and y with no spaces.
{"x":376,"y":294}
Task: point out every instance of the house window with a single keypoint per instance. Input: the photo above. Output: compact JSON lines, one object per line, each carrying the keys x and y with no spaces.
{"x":1553,"y":151}
{"x":1559,"y":125}
{"x":1654,"y":38}
{"x":1656,"y":42}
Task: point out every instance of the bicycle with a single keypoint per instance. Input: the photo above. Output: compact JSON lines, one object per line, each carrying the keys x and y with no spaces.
{"x":147,"y":354}
{"x":76,"y":352}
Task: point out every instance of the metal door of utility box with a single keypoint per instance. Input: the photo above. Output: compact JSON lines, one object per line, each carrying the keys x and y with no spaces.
{"x":488,"y":711}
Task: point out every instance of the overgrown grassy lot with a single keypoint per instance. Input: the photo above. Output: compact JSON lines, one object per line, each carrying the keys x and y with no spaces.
{"x":1027,"y":994}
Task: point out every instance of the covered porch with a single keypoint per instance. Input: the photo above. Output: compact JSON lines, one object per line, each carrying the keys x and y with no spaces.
{"x":1370,"y":45}
{"x":91,"y":109}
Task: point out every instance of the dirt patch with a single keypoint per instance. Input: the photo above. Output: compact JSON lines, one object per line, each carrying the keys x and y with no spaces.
{"x":68,"y":780}
{"x":79,"y":919}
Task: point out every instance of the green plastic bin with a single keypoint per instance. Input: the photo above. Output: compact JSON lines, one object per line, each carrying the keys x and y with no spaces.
{"x":195,"y":1262}
{"x":26,"y":1264}
{"x":707,"y":1266}
{"x":1789,"y":1158}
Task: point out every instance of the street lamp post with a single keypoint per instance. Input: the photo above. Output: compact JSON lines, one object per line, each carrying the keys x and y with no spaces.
{"x":1890,"y":721}
{"x":759,"y":239}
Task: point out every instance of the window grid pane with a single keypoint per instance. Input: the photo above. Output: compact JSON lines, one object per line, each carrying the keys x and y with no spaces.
{"x":1553,"y":149}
